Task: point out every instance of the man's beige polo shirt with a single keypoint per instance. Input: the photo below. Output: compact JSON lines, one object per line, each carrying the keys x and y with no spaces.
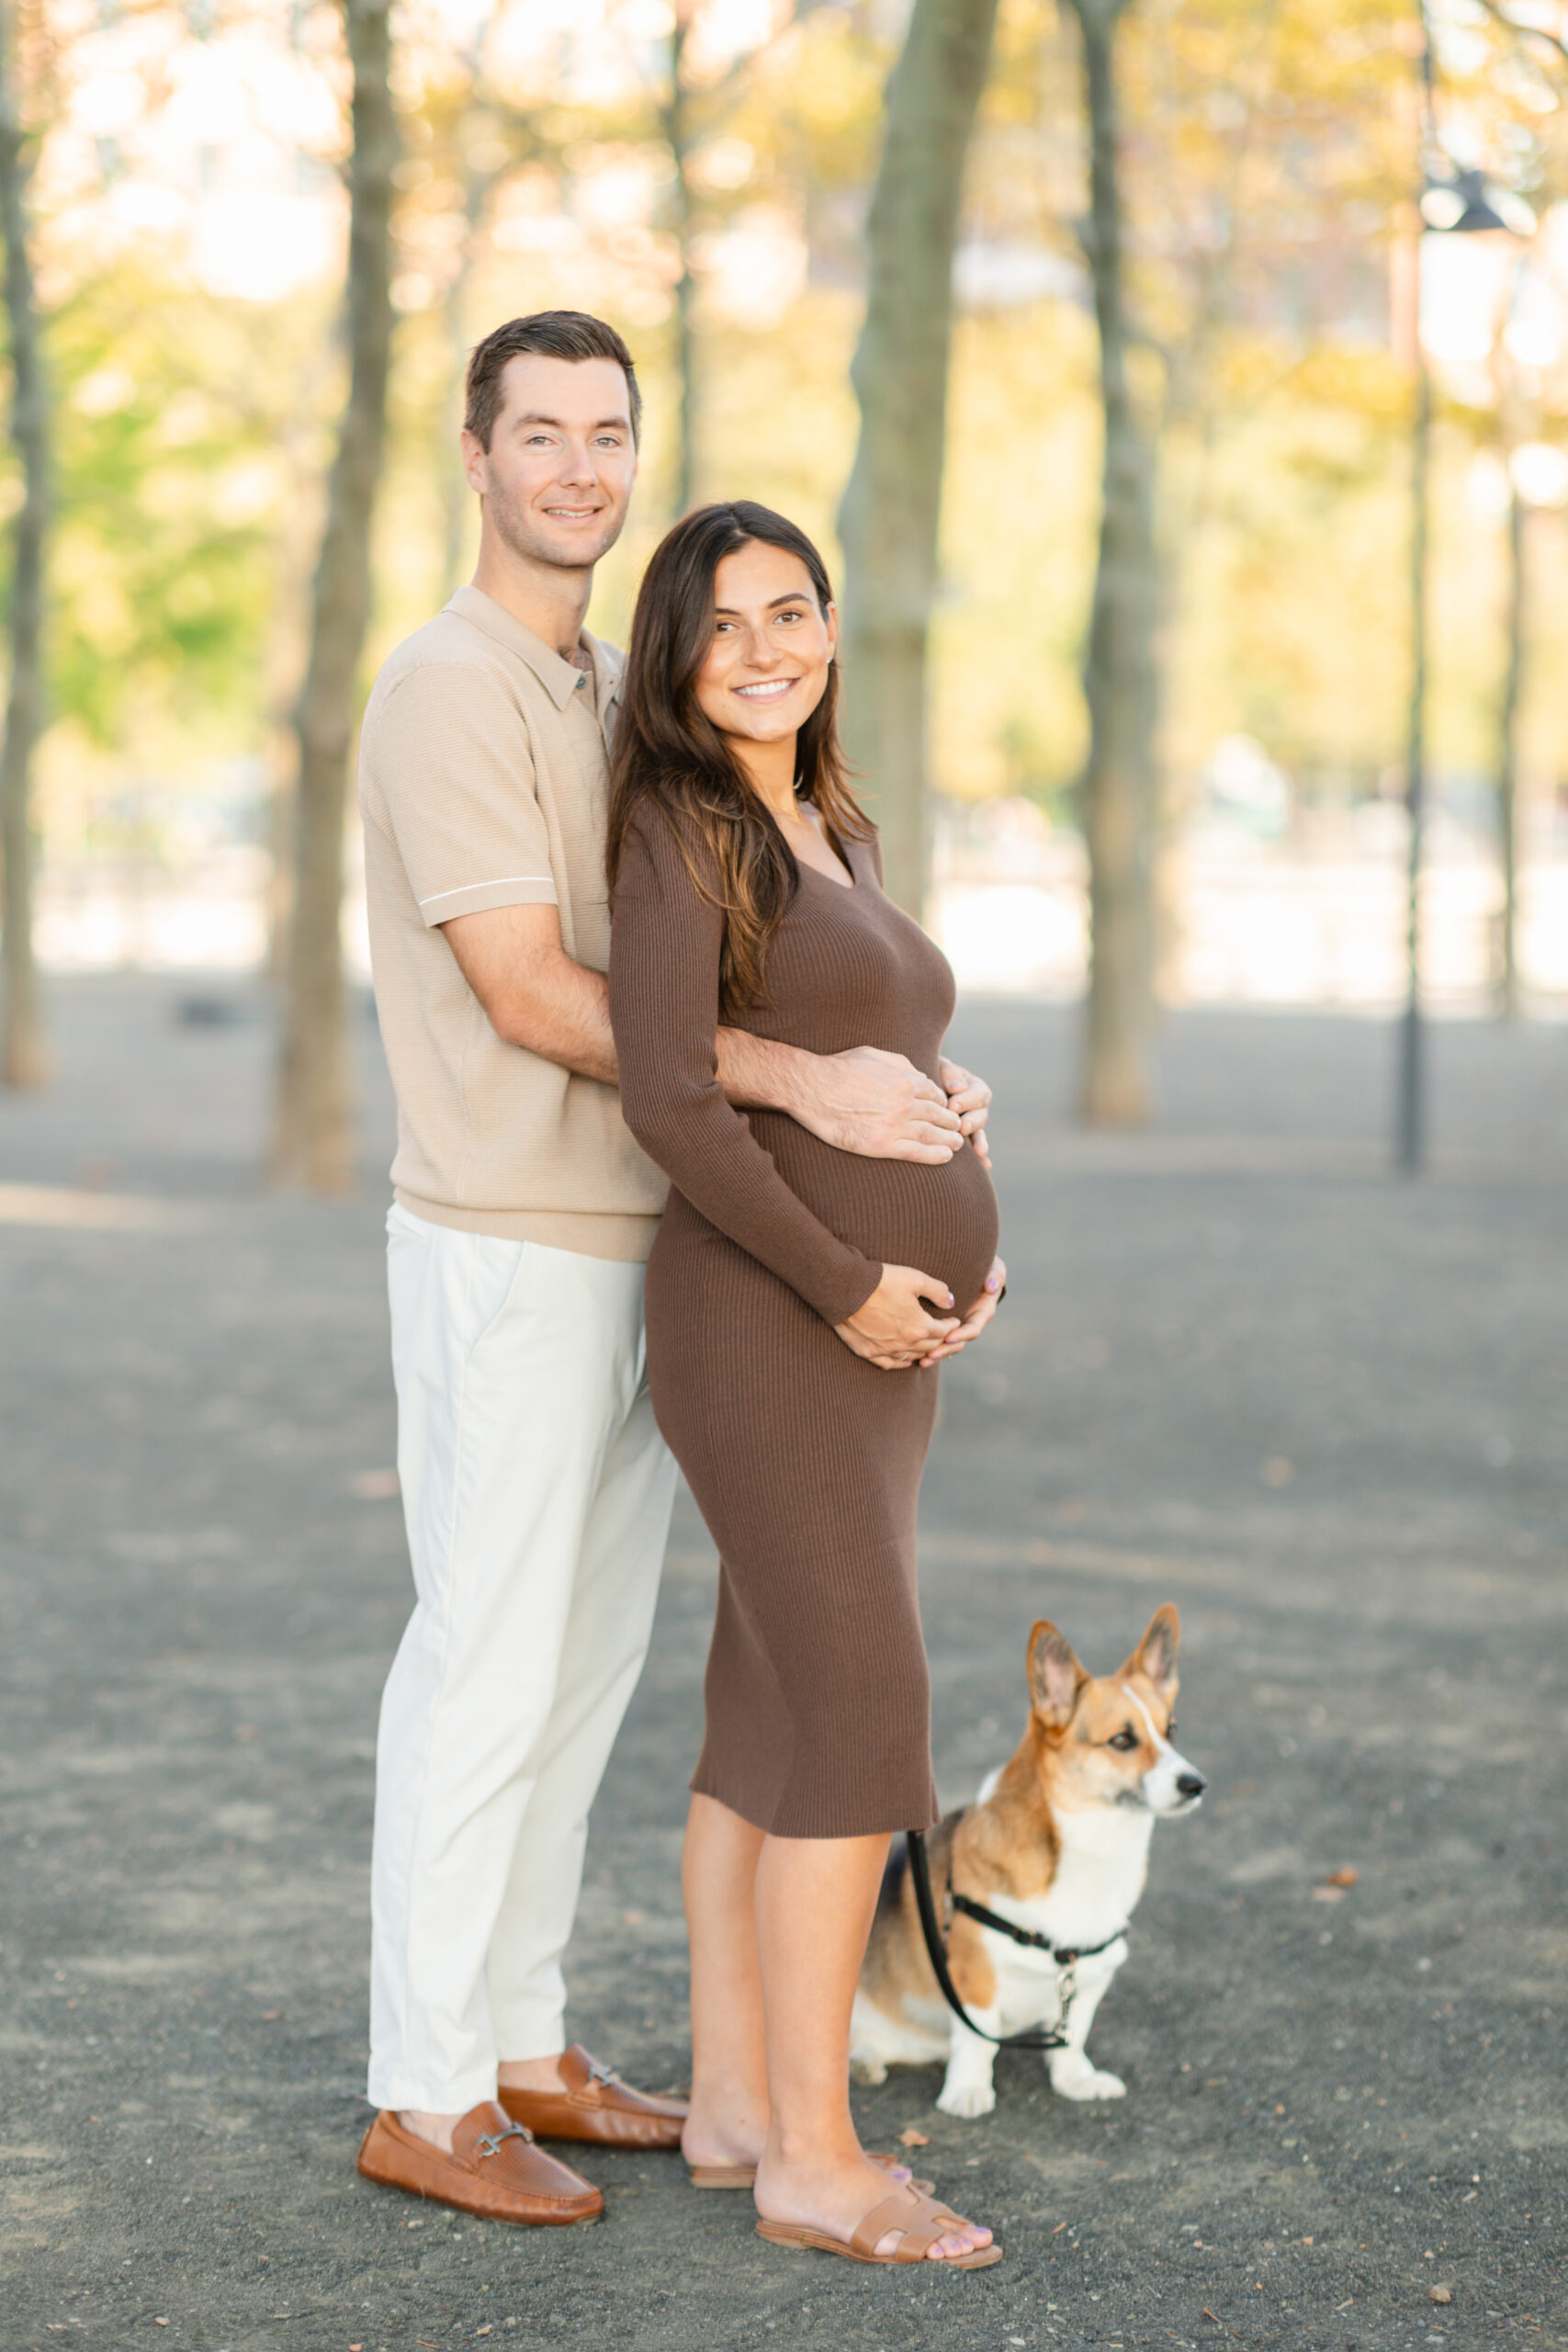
{"x":484,"y":782}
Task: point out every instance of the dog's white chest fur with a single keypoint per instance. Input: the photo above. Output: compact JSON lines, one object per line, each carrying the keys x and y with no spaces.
{"x":1102,"y":1866}
{"x":1103,"y":1861}
{"x":1093,"y":1773}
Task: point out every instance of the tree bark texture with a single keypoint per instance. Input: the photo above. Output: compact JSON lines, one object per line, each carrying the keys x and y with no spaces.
{"x":24,"y":1059}
{"x":891,"y":508}
{"x":313,"y":1145}
{"x":678,"y":132}
{"x":1120,"y":683}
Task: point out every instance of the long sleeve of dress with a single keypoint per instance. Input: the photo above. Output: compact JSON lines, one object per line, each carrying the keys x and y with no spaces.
{"x":665,"y":943}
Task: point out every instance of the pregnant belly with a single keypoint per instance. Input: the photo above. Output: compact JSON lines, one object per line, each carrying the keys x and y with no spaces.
{"x":942,"y":1220}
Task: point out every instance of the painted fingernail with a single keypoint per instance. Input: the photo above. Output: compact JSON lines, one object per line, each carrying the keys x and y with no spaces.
{"x":990,"y":1281}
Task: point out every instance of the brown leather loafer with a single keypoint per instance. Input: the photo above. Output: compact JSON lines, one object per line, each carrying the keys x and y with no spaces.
{"x":494,"y":2170}
{"x":596,"y":2105}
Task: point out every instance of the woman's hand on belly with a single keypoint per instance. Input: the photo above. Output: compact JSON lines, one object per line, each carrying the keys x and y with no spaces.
{"x":895,"y":1329}
{"x":975,"y":1322}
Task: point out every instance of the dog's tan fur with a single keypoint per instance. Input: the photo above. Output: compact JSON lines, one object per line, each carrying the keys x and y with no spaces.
{"x":1093,"y":1746}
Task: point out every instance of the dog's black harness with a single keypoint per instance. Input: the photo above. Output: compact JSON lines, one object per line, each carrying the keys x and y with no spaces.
{"x":1067,"y":1957}
{"x":1063,"y":1954}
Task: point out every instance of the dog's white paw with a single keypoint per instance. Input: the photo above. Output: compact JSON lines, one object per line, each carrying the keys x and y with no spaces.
{"x":866,"y":2069}
{"x":1084,"y":2080}
{"x":967,"y":2100}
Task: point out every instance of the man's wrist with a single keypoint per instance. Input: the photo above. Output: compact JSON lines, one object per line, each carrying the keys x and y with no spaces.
{"x":759,"y":1074}
{"x":790,"y":1070}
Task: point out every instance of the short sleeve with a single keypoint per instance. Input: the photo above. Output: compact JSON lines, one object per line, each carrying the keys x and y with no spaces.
{"x":448,"y":757}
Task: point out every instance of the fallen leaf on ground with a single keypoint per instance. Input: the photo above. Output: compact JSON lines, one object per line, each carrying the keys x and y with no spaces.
{"x":1341,"y":1878}
{"x":1439,"y":2295}
{"x":910,"y":2138}
{"x":1328,"y":1895}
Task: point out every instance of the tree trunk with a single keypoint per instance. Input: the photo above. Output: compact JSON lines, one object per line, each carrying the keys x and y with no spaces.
{"x":892,"y":506}
{"x":312,"y":1144}
{"x":456,"y":497}
{"x":24,"y":1059}
{"x":1119,"y":677}
{"x":677,"y":125}
{"x":1508,"y":753}
{"x":1410,"y":1139}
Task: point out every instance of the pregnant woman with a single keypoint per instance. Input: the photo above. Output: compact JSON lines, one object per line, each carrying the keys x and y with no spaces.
{"x":798,"y":1302}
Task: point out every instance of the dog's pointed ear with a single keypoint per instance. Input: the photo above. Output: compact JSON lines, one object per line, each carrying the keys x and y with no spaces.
{"x":1056,"y":1677}
{"x":1155,"y":1658}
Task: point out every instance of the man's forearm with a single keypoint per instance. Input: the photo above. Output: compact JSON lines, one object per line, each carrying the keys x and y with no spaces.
{"x":864,"y":1099}
{"x":570,"y":1024}
{"x":534,"y":994}
{"x":538,"y":998}
{"x":572,"y":1027}
{"x":758,"y":1074}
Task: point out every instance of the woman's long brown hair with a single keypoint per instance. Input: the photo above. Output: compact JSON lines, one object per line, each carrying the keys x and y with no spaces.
{"x":667,"y":754}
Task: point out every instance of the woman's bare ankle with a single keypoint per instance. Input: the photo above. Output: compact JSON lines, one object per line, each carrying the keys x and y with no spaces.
{"x":723,"y":2128}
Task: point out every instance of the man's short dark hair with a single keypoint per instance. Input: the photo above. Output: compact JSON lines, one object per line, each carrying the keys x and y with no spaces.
{"x":546,"y":335}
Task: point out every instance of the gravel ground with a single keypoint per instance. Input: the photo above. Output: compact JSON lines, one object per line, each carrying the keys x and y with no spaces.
{"x":1240,"y":1367}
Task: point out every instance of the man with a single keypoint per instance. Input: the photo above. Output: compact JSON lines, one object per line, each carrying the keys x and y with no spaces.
{"x":536,"y":1486}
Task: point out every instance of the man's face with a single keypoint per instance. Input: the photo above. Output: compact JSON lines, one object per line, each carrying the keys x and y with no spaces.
{"x":557,"y":476}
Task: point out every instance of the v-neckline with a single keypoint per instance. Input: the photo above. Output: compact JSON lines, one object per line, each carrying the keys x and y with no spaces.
{"x":849,"y":882}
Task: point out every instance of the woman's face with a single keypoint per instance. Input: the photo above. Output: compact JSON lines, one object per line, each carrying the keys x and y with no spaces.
{"x":767,"y":667}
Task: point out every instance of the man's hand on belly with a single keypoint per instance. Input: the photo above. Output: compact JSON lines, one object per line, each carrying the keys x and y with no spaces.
{"x":873,"y":1103}
{"x":971,"y":1097}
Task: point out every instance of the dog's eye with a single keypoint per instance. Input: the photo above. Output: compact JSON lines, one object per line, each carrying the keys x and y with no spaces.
{"x":1125,"y":1742}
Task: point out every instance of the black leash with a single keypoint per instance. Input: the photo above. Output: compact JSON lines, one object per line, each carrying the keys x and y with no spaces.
{"x":1041,"y":2038}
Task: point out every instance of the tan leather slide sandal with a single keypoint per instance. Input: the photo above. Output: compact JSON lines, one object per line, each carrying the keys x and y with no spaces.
{"x":919,"y":2223}
{"x":745,"y":2175}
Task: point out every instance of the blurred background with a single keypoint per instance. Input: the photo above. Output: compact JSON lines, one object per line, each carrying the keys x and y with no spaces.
{"x":1180,"y":388}
{"x":1293,"y":280}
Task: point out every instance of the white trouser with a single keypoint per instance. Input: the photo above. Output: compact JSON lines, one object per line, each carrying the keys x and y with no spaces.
{"x":537,"y":1491}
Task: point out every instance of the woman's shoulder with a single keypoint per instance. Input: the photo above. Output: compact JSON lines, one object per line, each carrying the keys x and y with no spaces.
{"x":667,"y":846}
{"x":660,"y":828}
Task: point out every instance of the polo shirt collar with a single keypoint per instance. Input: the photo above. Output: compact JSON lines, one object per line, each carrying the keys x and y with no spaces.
{"x":607,"y":665}
{"x":559,"y":677}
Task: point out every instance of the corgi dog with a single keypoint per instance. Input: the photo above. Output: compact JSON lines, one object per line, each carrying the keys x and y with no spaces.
{"x":1056,"y":1848}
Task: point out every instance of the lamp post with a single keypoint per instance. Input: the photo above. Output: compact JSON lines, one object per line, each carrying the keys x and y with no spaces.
{"x":1454,"y":205}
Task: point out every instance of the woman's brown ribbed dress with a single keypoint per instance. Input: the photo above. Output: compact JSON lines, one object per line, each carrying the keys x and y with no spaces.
{"x":805,"y":1460}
